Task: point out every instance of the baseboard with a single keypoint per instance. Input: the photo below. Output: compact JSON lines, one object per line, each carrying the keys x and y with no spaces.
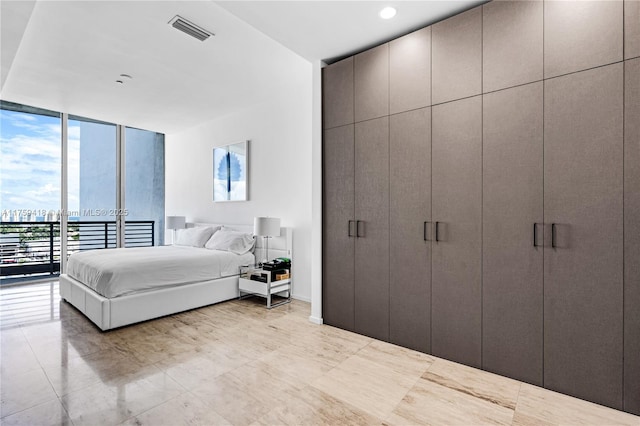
{"x":315,"y":320}
{"x":302,"y":299}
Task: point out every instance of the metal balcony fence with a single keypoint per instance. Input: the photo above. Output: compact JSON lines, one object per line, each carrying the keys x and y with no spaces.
{"x":34,"y":247}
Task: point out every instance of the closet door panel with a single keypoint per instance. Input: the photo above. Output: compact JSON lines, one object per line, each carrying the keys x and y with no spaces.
{"x":372,"y":213}
{"x":337,"y":89}
{"x":338,"y":209}
{"x":512,"y":255}
{"x":457,"y":56}
{"x":583,"y":197}
{"x":410,"y":71}
{"x":579,"y":35}
{"x":372,"y":83}
{"x":632,"y":237}
{"x":457,"y":205}
{"x":631,"y":29}
{"x":512,"y":43}
{"x":410,"y":212}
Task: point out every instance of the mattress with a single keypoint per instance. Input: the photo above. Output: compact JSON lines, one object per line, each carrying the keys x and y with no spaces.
{"x":117,"y":272}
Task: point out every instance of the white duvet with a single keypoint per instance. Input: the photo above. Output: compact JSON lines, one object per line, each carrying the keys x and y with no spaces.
{"x":116,"y":272}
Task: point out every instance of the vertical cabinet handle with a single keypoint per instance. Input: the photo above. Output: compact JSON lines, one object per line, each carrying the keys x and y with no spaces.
{"x":437,"y":231}
{"x":535,"y":234}
{"x":424,"y":231}
{"x":349,"y":223}
{"x":553,"y":235}
{"x":358,"y":228}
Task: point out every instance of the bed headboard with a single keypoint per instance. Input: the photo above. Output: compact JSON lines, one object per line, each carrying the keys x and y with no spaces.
{"x":281,"y":246}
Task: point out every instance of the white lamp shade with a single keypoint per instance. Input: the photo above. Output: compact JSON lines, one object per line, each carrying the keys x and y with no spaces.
{"x":176,"y":222}
{"x":266,"y":226}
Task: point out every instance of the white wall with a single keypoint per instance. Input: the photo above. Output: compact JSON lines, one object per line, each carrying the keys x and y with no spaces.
{"x":280,"y":169}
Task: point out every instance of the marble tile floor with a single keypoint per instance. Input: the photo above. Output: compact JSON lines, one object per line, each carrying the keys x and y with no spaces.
{"x":238,"y":363}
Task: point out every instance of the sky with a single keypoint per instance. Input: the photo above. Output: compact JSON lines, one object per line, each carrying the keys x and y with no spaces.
{"x":30,"y":162}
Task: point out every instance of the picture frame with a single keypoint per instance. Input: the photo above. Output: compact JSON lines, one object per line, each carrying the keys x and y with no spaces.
{"x":231,"y":172}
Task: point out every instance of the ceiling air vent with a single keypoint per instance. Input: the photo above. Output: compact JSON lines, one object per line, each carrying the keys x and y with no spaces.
{"x":190,"y":28}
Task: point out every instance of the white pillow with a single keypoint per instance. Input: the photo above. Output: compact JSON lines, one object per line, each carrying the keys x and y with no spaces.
{"x":194,"y":237}
{"x":229,"y":240}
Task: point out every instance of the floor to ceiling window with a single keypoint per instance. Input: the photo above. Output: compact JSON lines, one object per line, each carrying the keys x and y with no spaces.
{"x":30,"y":167}
{"x":31,"y":196}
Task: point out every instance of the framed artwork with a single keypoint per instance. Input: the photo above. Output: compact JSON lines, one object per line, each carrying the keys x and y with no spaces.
{"x":230,"y":172}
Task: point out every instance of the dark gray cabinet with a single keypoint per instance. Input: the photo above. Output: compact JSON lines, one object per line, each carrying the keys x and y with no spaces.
{"x":410,"y":233}
{"x":410,"y":71}
{"x":338,"y":249}
{"x":632,"y":237}
{"x":457,"y":57}
{"x":337,"y":99}
{"x":583,"y":209}
{"x":512,"y":286}
{"x":511,"y":44}
{"x":371,"y":70}
{"x":456,"y":303}
{"x":372,"y":228}
{"x":481,"y":196}
{"x":581,"y":34}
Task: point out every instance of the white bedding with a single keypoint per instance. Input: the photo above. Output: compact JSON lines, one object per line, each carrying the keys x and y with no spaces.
{"x":116,"y":272}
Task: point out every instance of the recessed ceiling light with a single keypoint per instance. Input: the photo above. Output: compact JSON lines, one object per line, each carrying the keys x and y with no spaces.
{"x":387,"y":13}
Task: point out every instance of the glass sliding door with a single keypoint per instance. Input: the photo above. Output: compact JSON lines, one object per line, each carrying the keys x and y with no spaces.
{"x":144,"y":188}
{"x":91,"y":184}
{"x":30,"y":170}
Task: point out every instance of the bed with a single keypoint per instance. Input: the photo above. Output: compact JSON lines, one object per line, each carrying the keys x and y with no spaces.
{"x":205,"y":278}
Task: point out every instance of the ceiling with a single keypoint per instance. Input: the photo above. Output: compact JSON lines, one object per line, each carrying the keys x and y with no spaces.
{"x":67,"y":55}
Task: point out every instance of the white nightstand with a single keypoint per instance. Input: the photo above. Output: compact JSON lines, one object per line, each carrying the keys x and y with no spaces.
{"x":252,"y":287}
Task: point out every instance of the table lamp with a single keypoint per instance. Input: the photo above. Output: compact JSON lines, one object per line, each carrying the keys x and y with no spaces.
{"x":266,"y":227}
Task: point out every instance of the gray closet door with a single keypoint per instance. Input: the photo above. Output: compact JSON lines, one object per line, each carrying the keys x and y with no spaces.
{"x":338,"y":210}
{"x":410,"y":71}
{"x":372,"y":215}
{"x":632,"y":237}
{"x":457,"y":206}
{"x":371,"y":70}
{"x":583,"y":297}
{"x":512,"y":257}
{"x":410,"y":215}
{"x":456,"y":65}
{"x":579,"y":35}
{"x":337,"y":90}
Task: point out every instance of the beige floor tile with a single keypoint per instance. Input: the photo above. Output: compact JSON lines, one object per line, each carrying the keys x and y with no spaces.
{"x":480,"y":384}
{"x":81,"y":372}
{"x":265,"y":384}
{"x":192,"y":368}
{"x":397,"y":358}
{"x":313,"y":407}
{"x":431,"y":403}
{"x":367,"y":385}
{"x":49,"y":413}
{"x":16,"y":354}
{"x":21,"y":391}
{"x":296,"y":366}
{"x":227,"y":396}
{"x":551,"y":407}
{"x":118,"y":400}
{"x":185,"y":409}
{"x":59,"y":350}
{"x":520,"y":419}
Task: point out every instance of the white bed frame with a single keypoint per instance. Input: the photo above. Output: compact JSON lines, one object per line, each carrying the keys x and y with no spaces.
{"x":129,"y":309}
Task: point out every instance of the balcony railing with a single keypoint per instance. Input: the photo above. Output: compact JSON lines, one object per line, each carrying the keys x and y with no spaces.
{"x":34,"y":247}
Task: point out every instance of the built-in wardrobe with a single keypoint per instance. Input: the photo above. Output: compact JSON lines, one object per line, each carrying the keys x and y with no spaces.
{"x":481,"y":194}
